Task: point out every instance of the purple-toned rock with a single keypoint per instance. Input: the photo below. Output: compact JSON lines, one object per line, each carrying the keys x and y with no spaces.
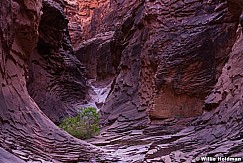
{"x":25,"y":130}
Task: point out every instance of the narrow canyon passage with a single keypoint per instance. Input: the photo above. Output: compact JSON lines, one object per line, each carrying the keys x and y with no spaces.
{"x":165,"y":76}
{"x":156,"y":109}
{"x":216,"y":133}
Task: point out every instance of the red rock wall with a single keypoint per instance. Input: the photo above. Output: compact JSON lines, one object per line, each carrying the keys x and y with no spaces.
{"x":167,"y":55}
{"x":226,"y":99}
{"x":56,"y":78}
{"x":25,"y":130}
{"x":187,"y":48}
{"x":162,"y":52}
{"x":95,"y":54}
{"x":217,"y":132}
{"x":85,"y":17}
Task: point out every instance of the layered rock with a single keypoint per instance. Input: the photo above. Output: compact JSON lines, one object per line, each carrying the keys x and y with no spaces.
{"x":7,"y":157}
{"x":170,"y":57}
{"x":188,"y":45}
{"x":25,"y":130}
{"x":162,"y":56}
{"x":124,"y":100}
{"x":102,"y":56}
{"x":166,"y":58}
{"x":95,"y":54}
{"x":89,"y":18}
{"x":215,"y":134}
{"x":56,"y":78}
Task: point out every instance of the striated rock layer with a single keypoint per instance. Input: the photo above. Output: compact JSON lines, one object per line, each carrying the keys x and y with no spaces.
{"x":163,"y":58}
{"x":25,"y":130}
{"x":218,"y":133}
{"x":188,"y":56}
{"x":56,"y":78}
{"x":121,"y":54}
{"x":188,"y":45}
{"x":167,"y":57}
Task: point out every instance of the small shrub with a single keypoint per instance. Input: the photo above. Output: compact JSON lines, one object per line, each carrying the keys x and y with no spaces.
{"x":85,"y":125}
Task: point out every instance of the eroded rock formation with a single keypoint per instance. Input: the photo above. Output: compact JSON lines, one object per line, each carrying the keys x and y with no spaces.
{"x":216,"y":133}
{"x":154,"y":59}
{"x":25,"y":130}
{"x":187,"y":48}
{"x":121,"y":54}
{"x":168,"y":57}
{"x":56,"y":78}
{"x":188,"y":55}
{"x":96,"y":56}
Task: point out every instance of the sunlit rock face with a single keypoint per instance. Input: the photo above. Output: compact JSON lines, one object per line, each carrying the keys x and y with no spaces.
{"x":89,"y":18}
{"x":85,"y":17}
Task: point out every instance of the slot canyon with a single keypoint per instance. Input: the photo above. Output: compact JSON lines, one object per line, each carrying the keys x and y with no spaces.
{"x":166,"y":77}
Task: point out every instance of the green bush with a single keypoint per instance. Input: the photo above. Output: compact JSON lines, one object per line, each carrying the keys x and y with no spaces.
{"x":85,"y":125}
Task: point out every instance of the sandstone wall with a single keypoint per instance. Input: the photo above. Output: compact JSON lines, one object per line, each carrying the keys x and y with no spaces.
{"x":56,"y":77}
{"x":167,"y":56}
{"x":172,"y":54}
{"x":164,"y":57}
{"x":25,"y":130}
{"x":85,"y":17}
{"x":216,"y":133}
{"x":188,"y":45}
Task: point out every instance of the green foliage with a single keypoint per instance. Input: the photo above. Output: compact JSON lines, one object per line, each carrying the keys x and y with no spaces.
{"x":85,"y":125}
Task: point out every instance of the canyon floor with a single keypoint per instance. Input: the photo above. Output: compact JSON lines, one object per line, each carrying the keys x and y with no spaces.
{"x":143,"y":145}
{"x":155,"y":143}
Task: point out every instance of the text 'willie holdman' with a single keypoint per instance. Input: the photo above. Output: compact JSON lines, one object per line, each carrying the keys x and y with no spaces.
{"x":220,"y":159}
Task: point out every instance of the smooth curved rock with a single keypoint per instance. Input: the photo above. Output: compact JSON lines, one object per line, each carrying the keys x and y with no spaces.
{"x":6,"y":157}
{"x":25,"y":130}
